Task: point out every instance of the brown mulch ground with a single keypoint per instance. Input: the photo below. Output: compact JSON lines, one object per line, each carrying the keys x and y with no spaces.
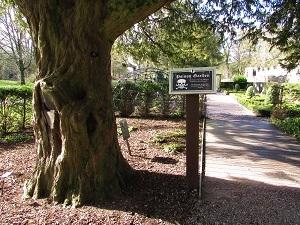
{"x":160,"y":196}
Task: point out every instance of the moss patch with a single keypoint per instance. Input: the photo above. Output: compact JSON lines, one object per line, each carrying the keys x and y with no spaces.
{"x":172,"y":141}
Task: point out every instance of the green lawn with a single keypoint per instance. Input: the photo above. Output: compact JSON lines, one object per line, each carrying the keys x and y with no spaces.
{"x":11,"y":83}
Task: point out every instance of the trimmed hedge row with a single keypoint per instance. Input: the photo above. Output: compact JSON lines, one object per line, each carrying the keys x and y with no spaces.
{"x":283,"y":110}
{"x":145,"y":98}
{"x":15,"y":107}
{"x":231,"y":85}
{"x":290,"y":125}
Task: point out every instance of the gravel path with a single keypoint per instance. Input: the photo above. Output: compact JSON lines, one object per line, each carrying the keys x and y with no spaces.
{"x":241,"y":145}
{"x":253,"y":170}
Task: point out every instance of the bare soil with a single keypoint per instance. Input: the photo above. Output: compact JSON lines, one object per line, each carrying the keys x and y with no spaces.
{"x":159,"y":196}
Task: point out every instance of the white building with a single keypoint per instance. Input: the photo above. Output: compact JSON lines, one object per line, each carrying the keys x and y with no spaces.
{"x":275,"y":73}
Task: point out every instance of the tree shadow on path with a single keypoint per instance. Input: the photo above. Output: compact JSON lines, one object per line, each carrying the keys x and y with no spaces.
{"x":238,"y":201}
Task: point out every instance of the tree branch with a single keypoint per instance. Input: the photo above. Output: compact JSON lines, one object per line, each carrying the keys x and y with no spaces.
{"x":123,"y":15}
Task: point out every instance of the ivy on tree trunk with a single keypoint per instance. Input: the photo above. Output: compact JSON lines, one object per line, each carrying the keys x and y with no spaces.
{"x":78,"y":156}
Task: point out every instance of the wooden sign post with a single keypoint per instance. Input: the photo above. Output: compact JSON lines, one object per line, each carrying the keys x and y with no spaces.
{"x":192,"y":82}
{"x":192,"y":140}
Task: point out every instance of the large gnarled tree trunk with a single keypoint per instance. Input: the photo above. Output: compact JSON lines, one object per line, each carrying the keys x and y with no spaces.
{"x":79,"y":159}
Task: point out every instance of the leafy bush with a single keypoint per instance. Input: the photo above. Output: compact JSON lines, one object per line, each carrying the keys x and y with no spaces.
{"x":293,"y":110}
{"x":256,"y":104}
{"x":16,"y":138}
{"x":250,"y":92}
{"x":172,"y":141}
{"x":263,"y":110}
{"x":240,"y":80}
{"x":289,"y":125}
{"x":279,"y":113}
{"x":124,"y":97}
{"x":273,"y":94}
{"x":173,"y":148}
{"x":291,"y":92}
{"x":148,"y":90}
{"x":237,"y":87}
{"x":164,"y":98}
{"x":285,"y":111}
{"x":15,"y":107}
{"x":170,"y":136}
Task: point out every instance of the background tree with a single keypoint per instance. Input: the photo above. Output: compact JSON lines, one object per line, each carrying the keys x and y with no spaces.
{"x":173,"y":37}
{"x":119,"y":63}
{"x":283,"y":23}
{"x":15,"y":41}
{"x":275,"y":21}
{"x":241,"y":55}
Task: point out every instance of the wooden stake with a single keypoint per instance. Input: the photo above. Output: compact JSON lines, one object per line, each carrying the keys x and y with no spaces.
{"x":128,"y":146}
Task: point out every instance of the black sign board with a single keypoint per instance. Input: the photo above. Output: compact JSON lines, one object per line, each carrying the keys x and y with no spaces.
{"x":192,"y":81}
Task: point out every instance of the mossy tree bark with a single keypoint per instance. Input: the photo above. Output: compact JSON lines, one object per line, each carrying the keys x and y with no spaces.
{"x":79,"y":159}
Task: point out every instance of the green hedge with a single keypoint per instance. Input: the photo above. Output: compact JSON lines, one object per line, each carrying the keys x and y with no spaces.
{"x":142,"y":97}
{"x":240,"y":80}
{"x":231,"y":85}
{"x":146,"y":98}
{"x":291,"y":92}
{"x":290,"y":125}
{"x":256,"y":104}
{"x":124,"y":97}
{"x":286,"y":116}
{"x":273,"y":94}
{"x":15,"y":107}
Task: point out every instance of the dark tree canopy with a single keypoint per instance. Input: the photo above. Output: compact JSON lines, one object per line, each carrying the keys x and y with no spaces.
{"x":272,"y":20}
{"x":277,"y":21}
{"x":173,"y":37}
{"x":284,"y":26}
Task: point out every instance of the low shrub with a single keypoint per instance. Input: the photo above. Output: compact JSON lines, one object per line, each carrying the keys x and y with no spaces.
{"x":147,"y":91}
{"x":250,"y":92}
{"x":237,"y":87}
{"x":289,"y":125}
{"x":263,"y":110}
{"x":240,"y":80}
{"x":291,"y":92}
{"x":279,"y":113}
{"x":173,"y":148}
{"x":15,"y":107}
{"x":171,"y":142}
{"x":256,"y":104}
{"x":273,"y":94}
{"x":170,"y":136}
{"x":286,"y":110}
{"x":124,"y":97}
{"x":16,"y":138}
